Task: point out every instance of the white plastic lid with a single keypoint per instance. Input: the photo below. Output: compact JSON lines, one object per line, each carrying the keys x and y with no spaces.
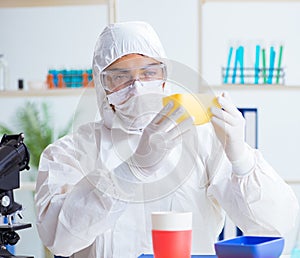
{"x":171,"y":220}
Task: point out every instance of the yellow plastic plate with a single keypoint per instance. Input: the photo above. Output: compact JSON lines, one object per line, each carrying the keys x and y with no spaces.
{"x":196,"y":105}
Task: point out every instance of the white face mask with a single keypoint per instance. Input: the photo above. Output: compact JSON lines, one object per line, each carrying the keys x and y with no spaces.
{"x":136,"y":105}
{"x":121,"y":96}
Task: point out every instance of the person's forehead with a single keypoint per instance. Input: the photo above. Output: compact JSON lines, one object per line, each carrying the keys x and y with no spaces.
{"x":132,"y":61}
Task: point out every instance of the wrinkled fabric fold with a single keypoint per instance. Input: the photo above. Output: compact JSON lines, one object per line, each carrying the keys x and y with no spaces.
{"x":90,"y":211}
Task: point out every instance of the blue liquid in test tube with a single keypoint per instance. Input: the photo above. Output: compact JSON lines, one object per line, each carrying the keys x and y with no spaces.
{"x":295,"y":253}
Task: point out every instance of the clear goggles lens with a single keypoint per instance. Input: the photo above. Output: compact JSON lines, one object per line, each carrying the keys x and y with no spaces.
{"x":117,"y":79}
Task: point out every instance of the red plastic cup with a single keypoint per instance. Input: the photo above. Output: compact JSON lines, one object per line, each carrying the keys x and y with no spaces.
{"x":172,"y":234}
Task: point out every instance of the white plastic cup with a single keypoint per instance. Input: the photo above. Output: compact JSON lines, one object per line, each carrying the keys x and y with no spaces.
{"x":172,"y":234}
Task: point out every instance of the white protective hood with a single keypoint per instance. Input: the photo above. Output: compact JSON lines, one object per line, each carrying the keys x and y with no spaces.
{"x":116,"y":41}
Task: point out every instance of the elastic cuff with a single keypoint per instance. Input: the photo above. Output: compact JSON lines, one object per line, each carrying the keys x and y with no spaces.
{"x":245,"y":164}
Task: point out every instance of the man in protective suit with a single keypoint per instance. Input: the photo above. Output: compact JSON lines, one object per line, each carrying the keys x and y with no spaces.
{"x":97,"y":187}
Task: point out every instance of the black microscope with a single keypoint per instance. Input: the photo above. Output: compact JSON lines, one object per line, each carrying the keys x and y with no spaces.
{"x":14,"y":157}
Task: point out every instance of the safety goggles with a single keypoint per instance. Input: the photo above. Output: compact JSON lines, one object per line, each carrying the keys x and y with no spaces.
{"x":116,"y":79}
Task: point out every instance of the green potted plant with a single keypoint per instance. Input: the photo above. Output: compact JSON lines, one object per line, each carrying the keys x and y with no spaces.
{"x":34,"y":120}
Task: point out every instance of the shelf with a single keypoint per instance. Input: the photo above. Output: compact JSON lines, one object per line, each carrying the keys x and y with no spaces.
{"x":263,"y":87}
{"x":46,"y":93}
{"x":246,"y":1}
{"x":39,"y":3}
{"x":80,"y":91}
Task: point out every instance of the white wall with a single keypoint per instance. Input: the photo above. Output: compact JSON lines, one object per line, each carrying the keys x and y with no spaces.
{"x":176,"y":22}
{"x":36,"y":39}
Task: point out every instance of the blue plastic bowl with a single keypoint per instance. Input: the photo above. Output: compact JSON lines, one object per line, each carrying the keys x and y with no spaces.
{"x":250,"y":247}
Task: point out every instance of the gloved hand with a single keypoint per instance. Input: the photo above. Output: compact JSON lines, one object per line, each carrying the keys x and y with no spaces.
{"x":160,"y":136}
{"x":229,"y":125}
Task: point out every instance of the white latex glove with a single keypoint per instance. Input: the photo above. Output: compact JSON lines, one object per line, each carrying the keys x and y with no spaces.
{"x":229,"y":125}
{"x":160,"y":136}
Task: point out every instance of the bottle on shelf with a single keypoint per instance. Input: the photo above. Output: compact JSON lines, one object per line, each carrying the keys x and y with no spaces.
{"x":85,"y":79}
{"x":50,"y":81}
{"x":60,"y":82}
{"x":20,"y":84}
{"x":3,"y":73}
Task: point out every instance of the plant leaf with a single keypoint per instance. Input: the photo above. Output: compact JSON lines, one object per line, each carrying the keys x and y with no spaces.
{"x":5,"y":130}
{"x":34,"y":120}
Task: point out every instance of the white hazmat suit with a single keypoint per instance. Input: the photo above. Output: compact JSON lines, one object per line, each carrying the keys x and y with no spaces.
{"x":92,"y":204}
